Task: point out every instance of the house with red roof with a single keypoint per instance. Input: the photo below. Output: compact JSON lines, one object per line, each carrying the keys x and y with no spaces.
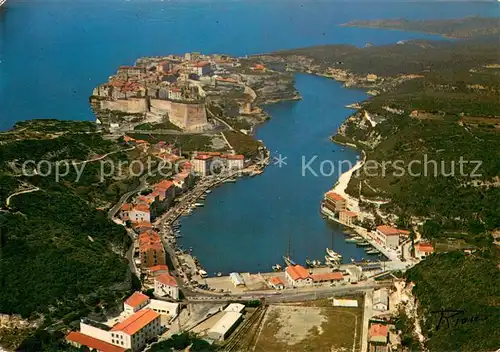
{"x":166,"y":285}
{"x":201,"y":68}
{"x":140,"y":213}
{"x":276,"y":283}
{"x":151,"y":250}
{"x":322,"y":278}
{"x":334,"y":202}
{"x":78,"y":340}
{"x":135,"y":303}
{"x":348,"y":217}
{"x":158,"y":269}
{"x":423,"y":249}
{"x":389,"y":236}
{"x":297,"y":276}
{"x":379,"y":333}
{"x":135,"y":331}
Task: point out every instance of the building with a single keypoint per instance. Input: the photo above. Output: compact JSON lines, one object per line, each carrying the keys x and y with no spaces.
{"x":135,"y":303}
{"x":77,"y":339}
{"x":165,"y":285}
{"x":235,"y":162}
{"x":135,"y":331}
{"x":202,"y":164}
{"x":139,"y":213}
{"x":348,"y":217}
{"x":276,"y":283}
{"x":201,"y":68}
{"x":223,"y":328}
{"x":349,"y":303}
{"x":151,"y":250}
{"x":297,"y":276}
{"x":379,"y":333}
{"x":183,"y":181}
{"x":334,"y":202}
{"x":387,"y":236}
{"x":236,"y":279}
{"x":381,"y":300}
{"x":423,"y":250}
{"x":235,"y":307}
{"x":174,"y":93}
{"x":163,"y":308}
{"x":158,"y":269}
{"x":166,"y":192}
{"x":327,"y":277}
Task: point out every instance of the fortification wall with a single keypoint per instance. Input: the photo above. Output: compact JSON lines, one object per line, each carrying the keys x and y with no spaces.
{"x":131,"y":105}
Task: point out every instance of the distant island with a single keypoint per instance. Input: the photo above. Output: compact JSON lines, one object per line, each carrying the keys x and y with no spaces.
{"x":460,"y":28}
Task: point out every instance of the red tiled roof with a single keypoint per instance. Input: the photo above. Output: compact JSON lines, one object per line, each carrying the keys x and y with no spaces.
{"x":201,"y":64}
{"x":136,"y":322}
{"x":259,"y":67}
{"x":142,"y":207}
{"x":236,"y":157}
{"x":143,"y":224}
{"x":378,"y":330}
{"x":166,"y":279}
{"x":126,"y":207}
{"x":425,"y":247}
{"x":92,"y":343}
{"x":388,"y":230}
{"x":203,"y":157}
{"x":297,"y":272}
{"x":349,"y":213}
{"x":334,"y":196}
{"x":156,"y":268}
{"x":164,"y":185}
{"x":136,"y":299}
{"x":327,"y":276}
{"x":276,"y":281}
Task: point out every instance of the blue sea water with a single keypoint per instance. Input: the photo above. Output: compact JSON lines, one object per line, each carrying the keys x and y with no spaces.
{"x":53,"y":53}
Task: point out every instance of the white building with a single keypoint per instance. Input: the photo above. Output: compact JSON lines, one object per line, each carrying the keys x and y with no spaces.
{"x":235,"y":162}
{"x":135,"y":303}
{"x":387,"y":236}
{"x":135,"y":331}
{"x":223,"y":328}
{"x":350,"y":303}
{"x":381,"y":300}
{"x":297,"y":276}
{"x":236,"y":279}
{"x":165,"y":308}
{"x":165,"y":285}
{"x":276,"y":283}
{"x":235,"y":307}
{"x":140,"y":213}
{"x":423,"y":250}
{"x":201,"y":68}
{"x":201,"y":164}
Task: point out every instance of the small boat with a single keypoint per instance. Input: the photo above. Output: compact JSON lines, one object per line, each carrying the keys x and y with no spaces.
{"x":229,"y":180}
{"x":317,"y":262}
{"x":178,"y":235}
{"x":333,"y":254}
{"x":362,"y":244}
{"x":219,"y":274}
{"x":276,"y":267}
{"x":351,"y":240}
{"x":373,"y":251}
{"x":208,"y":191}
{"x":202,"y":273}
{"x":288,"y":261}
{"x":199,"y":204}
{"x":309,"y":263}
{"x":353,"y":260}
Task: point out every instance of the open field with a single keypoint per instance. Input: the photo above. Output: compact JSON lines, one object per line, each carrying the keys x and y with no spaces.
{"x":306,"y":326}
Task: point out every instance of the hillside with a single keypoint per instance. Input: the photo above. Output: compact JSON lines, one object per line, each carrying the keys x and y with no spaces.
{"x":431,"y":133}
{"x":60,"y":257}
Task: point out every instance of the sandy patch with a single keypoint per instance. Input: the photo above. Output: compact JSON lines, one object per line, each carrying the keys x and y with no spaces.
{"x":297,"y":323}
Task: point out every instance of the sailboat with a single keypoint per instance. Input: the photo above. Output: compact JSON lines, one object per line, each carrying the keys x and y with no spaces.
{"x":286,"y":258}
{"x":333,"y":254}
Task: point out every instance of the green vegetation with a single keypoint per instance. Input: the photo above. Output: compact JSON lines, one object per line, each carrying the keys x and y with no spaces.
{"x":187,"y":142}
{"x":243,"y":143}
{"x":166,"y":125}
{"x":55,"y":126}
{"x":181,"y":342}
{"x":454,"y":281}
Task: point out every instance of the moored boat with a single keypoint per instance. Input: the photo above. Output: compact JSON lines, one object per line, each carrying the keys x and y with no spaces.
{"x":2,"y":2}
{"x":351,"y":240}
{"x":362,"y":244}
{"x":276,"y":267}
{"x":333,"y":254}
{"x":288,"y":261}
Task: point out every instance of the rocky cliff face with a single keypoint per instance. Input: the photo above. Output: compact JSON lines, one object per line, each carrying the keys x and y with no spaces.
{"x":271,"y":86}
{"x":359,"y":129}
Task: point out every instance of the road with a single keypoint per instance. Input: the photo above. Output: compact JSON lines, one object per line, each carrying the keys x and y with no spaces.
{"x":7,"y":201}
{"x":142,"y":186}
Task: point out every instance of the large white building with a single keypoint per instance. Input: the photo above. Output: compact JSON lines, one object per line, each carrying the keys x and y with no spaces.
{"x":165,"y":285}
{"x":223,"y":328}
{"x":135,"y":331}
{"x":201,"y":164}
{"x":381,"y":300}
{"x":388,"y":236}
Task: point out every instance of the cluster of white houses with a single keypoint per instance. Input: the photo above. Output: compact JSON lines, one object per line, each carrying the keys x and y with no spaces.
{"x":143,"y":319}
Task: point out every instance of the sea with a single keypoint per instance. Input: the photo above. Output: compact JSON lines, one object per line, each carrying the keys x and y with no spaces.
{"x":53,"y":53}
